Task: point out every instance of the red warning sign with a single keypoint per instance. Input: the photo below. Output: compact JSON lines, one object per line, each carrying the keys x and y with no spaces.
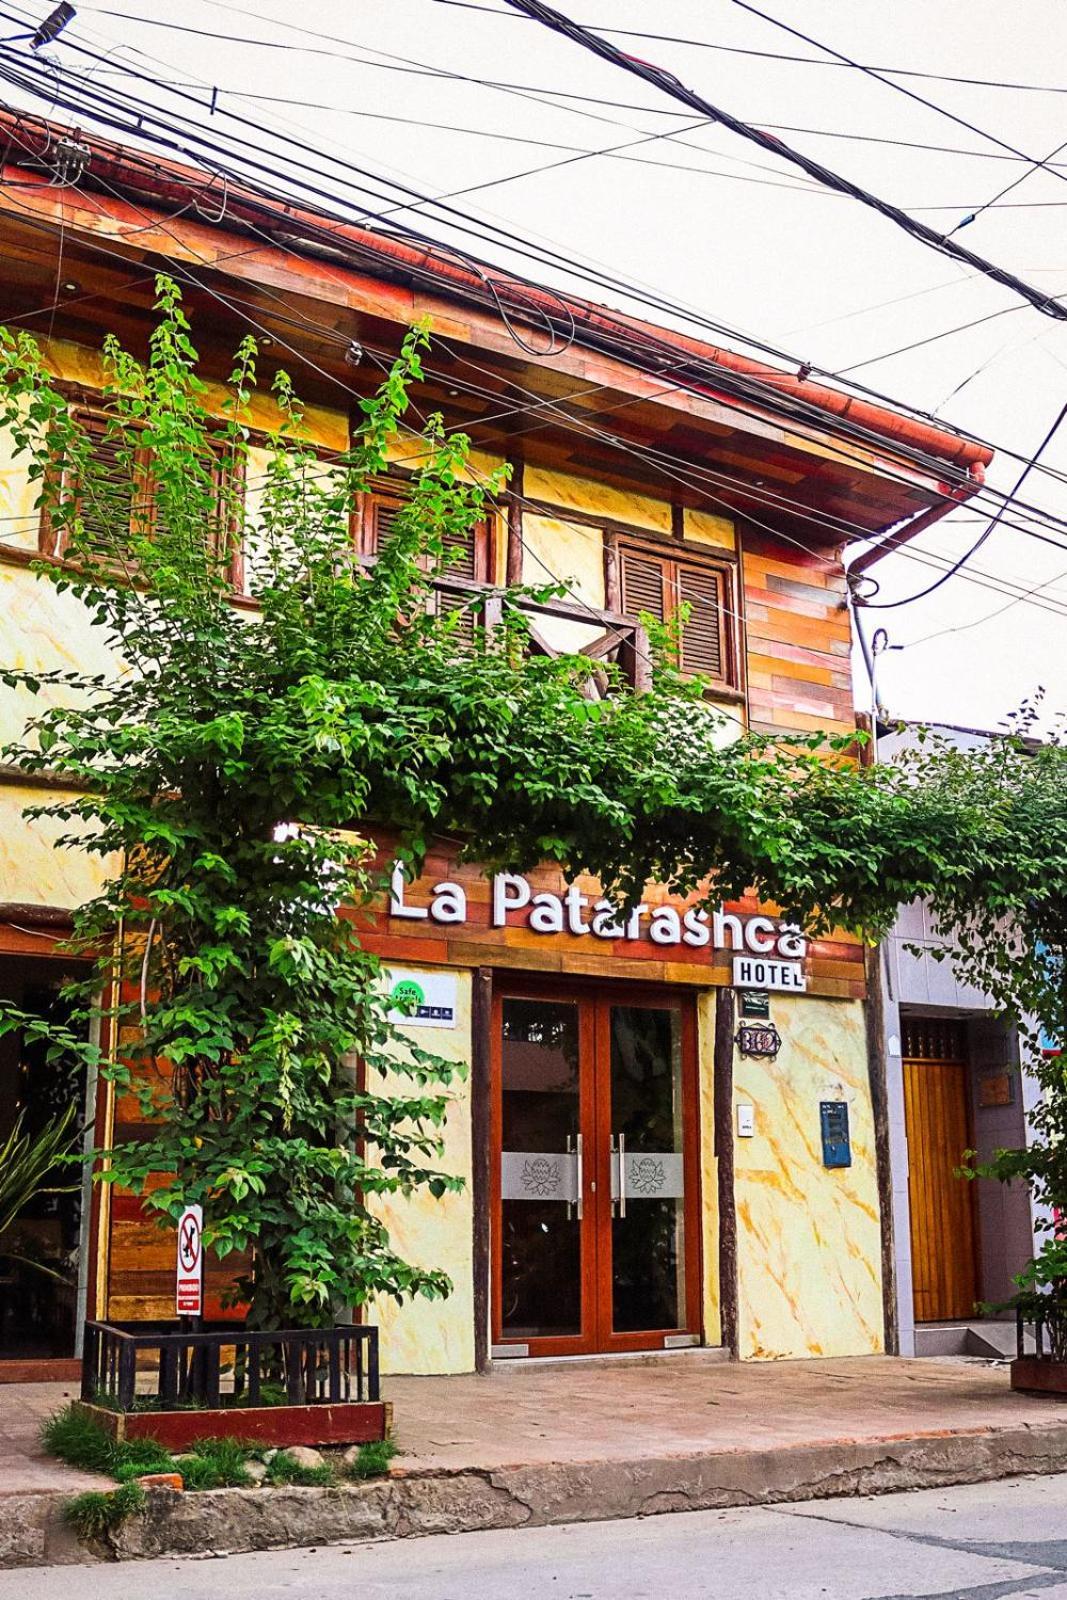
{"x":189,"y":1298}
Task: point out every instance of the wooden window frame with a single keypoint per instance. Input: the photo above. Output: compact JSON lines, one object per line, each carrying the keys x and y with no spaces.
{"x":392,"y":492}
{"x":89,"y":412}
{"x":675,"y":553}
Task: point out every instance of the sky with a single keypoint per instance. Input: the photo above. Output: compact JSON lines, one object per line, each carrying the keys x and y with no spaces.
{"x":697,"y":215}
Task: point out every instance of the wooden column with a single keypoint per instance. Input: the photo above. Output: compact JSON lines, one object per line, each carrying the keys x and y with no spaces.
{"x":724,"y":1150}
{"x":481,"y":1122}
{"x":513,"y":571}
{"x":874,"y":1015}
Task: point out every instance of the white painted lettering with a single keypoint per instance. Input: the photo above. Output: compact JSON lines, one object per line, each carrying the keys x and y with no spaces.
{"x":547,"y":913}
{"x":509,"y":894}
{"x":760,"y":935}
{"x":666,"y":926}
{"x":575,"y":902}
{"x":697,"y":932}
{"x":397,"y":908}
{"x":633,"y":922}
{"x":605,"y":921}
{"x":449,"y":903}
{"x":792,"y":943}
{"x":719,"y":924}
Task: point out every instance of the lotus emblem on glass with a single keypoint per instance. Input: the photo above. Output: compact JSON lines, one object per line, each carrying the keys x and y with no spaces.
{"x":541,"y":1176}
{"x":646,"y":1175}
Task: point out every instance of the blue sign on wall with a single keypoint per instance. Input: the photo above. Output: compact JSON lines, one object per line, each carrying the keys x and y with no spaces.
{"x":836,"y":1145}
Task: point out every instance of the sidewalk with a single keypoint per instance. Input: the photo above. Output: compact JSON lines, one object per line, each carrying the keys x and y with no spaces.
{"x":581,"y":1441}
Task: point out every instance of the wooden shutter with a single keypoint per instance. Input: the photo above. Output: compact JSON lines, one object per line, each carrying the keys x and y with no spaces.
{"x":702,"y":634}
{"x":106,"y":506}
{"x":464,"y":554}
{"x":659,"y":583}
{"x":644,"y":584}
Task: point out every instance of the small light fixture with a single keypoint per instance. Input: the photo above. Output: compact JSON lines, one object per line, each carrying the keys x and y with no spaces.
{"x":354,"y":353}
{"x":69,"y":286}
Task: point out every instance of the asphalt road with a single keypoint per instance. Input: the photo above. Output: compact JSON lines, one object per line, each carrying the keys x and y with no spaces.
{"x":1003,"y":1541}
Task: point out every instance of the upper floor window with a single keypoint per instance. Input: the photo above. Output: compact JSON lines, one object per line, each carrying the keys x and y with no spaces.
{"x":118,"y":499}
{"x":464,"y":557}
{"x":660,"y":582}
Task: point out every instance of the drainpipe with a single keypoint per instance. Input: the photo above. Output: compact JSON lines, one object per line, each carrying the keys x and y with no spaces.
{"x":953,"y":495}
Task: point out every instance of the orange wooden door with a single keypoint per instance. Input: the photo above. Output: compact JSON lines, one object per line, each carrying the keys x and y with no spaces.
{"x":943,"y":1240}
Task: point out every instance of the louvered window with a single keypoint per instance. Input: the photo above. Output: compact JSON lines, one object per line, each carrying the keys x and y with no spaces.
{"x":465,"y":556}
{"x":659,"y":583}
{"x":120,"y":497}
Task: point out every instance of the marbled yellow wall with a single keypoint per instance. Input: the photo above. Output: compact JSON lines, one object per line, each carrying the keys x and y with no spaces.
{"x":426,"y":1336}
{"x":711,"y":1312}
{"x":809,"y":1245}
{"x":32,"y":871}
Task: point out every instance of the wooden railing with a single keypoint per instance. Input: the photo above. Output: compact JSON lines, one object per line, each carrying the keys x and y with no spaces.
{"x":620,"y":641}
{"x":227,"y":1365}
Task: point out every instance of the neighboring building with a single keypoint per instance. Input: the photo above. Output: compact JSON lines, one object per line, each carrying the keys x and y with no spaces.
{"x":649,"y":467}
{"x":957,"y":1080}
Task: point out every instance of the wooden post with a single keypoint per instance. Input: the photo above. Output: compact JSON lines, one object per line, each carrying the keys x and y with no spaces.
{"x":874,"y":1015}
{"x":612,"y":579}
{"x":513,"y":571}
{"x":481,"y":1122}
{"x":723,"y":1069}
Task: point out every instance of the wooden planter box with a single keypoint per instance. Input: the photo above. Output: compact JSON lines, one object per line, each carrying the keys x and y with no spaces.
{"x":177,"y":1385}
{"x":1039,"y":1375}
{"x":353,"y":1422}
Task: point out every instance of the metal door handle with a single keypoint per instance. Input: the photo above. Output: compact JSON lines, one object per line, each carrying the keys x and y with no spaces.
{"x":581,"y":1175}
{"x":622,"y":1174}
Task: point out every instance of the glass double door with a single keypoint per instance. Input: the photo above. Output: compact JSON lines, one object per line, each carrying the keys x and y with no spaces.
{"x":596,"y":1237}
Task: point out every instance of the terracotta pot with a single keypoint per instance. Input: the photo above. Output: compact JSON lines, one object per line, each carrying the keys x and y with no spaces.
{"x":1039,"y":1375}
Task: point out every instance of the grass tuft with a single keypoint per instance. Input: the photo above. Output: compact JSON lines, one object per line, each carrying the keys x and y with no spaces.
{"x":373,"y":1459}
{"x":93,"y":1515}
{"x":80,"y":1441}
{"x":282,"y":1469}
{"x":216,"y":1464}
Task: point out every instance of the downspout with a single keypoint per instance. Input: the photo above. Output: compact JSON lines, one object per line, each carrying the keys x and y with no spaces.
{"x":952,"y":497}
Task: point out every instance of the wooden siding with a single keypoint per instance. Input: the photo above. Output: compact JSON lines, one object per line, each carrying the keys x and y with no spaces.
{"x":799,"y":639}
{"x":834,"y":966}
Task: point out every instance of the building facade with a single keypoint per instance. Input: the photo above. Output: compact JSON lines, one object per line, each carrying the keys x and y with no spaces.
{"x":673,"y":1131}
{"x":957,"y":1080}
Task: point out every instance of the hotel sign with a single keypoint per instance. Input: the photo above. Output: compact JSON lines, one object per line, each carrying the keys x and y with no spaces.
{"x":768,"y":951}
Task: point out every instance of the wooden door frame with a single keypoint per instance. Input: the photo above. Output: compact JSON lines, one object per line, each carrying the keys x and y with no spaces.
{"x":921,"y":1063}
{"x":594,"y":997}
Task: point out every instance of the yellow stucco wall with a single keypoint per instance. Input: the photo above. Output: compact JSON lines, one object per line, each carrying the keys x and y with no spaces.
{"x":425,"y":1336}
{"x":809,"y":1245}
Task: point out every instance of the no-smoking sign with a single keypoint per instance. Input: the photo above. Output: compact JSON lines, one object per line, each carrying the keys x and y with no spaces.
{"x":190,"y":1286}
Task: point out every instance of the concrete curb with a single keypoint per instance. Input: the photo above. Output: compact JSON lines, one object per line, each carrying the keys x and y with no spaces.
{"x":416,"y":1502}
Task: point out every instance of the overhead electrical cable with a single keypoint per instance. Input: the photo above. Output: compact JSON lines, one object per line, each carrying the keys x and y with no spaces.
{"x":557,"y":22}
{"x":907,"y":600}
{"x":657,"y":302}
{"x":728,"y":49}
{"x":821,"y":416}
{"x":898,"y":88}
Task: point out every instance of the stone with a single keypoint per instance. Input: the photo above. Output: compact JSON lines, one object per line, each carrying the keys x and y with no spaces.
{"x":257,"y":1471}
{"x":305,"y":1456}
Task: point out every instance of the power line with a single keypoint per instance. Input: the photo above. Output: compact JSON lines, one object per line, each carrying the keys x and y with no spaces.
{"x":820,"y":415}
{"x":666,"y":81}
{"x":891,"y":605}
{"x":898,"y":88}
{"x":658,"y":302}
{"x":738,"y":50}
